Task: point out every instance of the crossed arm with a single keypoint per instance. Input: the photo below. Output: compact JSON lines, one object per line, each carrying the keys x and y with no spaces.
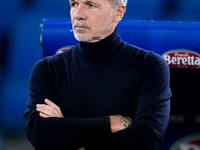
{"x":150,"y":122}
{"x":52,"y":110}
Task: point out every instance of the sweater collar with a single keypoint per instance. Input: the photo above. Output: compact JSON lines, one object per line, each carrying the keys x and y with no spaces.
{"x":101,"y":48}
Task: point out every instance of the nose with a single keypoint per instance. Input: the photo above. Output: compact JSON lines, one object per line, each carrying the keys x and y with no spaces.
{"x":79,"y":13}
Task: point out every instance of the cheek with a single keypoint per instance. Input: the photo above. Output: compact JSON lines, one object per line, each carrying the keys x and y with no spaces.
{"x":105,"y":22}
{"x":101,"y":20}
{"x":71,"y":14}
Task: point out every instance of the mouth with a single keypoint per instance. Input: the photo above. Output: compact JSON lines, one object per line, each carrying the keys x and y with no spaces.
{"x":81,"y":26}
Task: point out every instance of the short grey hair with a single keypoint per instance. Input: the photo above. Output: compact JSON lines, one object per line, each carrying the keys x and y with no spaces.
{"x":115,"y":3}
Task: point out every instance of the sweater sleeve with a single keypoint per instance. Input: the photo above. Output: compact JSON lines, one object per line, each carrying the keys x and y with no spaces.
{"x":152,"y":114}
{"x":57,"y":133}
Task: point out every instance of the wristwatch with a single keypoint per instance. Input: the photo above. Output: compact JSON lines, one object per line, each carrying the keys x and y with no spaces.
{"x":125,"y":123}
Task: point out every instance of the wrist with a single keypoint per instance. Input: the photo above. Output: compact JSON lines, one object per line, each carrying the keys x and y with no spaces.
{"x":124,"y":121}
{"x":118,"y":123}
{"x":128,"y":120}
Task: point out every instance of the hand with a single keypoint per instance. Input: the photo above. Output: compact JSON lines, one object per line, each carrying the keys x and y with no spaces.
{"x":117,"y":123}
{"x":81,"y":148}
{"x":49,"y":109}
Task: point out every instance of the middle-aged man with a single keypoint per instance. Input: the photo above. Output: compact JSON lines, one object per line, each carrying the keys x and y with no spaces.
{"x":102,"y":93}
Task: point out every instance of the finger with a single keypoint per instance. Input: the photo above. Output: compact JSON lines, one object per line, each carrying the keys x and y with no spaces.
{"x":49,"y":110}
{"x":43,"y":115}
{"x":50,"y":103}
{"x":44,"y":109}
{"x":55,"y":107}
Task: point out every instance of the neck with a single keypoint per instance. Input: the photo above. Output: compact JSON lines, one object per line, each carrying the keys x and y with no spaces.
{"x":101,"y":48}
{"x":104,"y":35}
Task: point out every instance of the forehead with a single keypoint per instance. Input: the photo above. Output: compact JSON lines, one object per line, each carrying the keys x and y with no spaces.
{"x":89,"y":0}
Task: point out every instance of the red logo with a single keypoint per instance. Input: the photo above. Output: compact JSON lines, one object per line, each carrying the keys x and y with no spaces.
{"x":182,"y":58}
{"x":63,"y":49}
{"x":191,"y":142}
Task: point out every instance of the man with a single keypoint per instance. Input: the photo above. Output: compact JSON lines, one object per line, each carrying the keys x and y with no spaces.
{"x":102,"y":93}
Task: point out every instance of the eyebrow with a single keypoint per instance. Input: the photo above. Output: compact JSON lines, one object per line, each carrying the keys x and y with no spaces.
{"x":91,"y":2}
{"x":86,"y":2}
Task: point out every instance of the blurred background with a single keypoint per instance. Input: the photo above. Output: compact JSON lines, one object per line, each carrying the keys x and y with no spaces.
{"x":20,"y":49}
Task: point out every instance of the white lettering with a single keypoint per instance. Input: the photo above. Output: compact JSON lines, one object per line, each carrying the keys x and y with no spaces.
{"x":197,"y":61}
{"x":177,"y":54}
{"x":182,"y":60}
{"x":174,"y":60}
{"x":190,"y":60}
{"x":167,"y":58}
{"x":179,"y":60}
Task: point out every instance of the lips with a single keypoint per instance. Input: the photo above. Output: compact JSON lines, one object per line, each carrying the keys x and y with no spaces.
{"x":80,"y":26}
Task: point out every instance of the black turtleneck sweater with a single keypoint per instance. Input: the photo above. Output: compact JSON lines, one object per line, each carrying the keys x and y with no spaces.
{"x":92,"y":81}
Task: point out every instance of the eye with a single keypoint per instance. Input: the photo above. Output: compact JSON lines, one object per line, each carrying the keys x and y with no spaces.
{"x":73,"y":4}
{"x":91,"y":5}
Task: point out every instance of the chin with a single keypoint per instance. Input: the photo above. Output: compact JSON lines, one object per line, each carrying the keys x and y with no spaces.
{"x":83,"y":38}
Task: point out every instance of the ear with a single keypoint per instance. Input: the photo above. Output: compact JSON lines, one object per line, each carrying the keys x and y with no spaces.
{"x":119,"y":13}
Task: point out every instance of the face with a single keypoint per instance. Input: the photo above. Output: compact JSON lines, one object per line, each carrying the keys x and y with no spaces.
{"x":92,"y":20}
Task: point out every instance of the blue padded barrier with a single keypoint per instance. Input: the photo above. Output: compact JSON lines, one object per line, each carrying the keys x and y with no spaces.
{"x":159,"y":36}
{"x":178,"y":43}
